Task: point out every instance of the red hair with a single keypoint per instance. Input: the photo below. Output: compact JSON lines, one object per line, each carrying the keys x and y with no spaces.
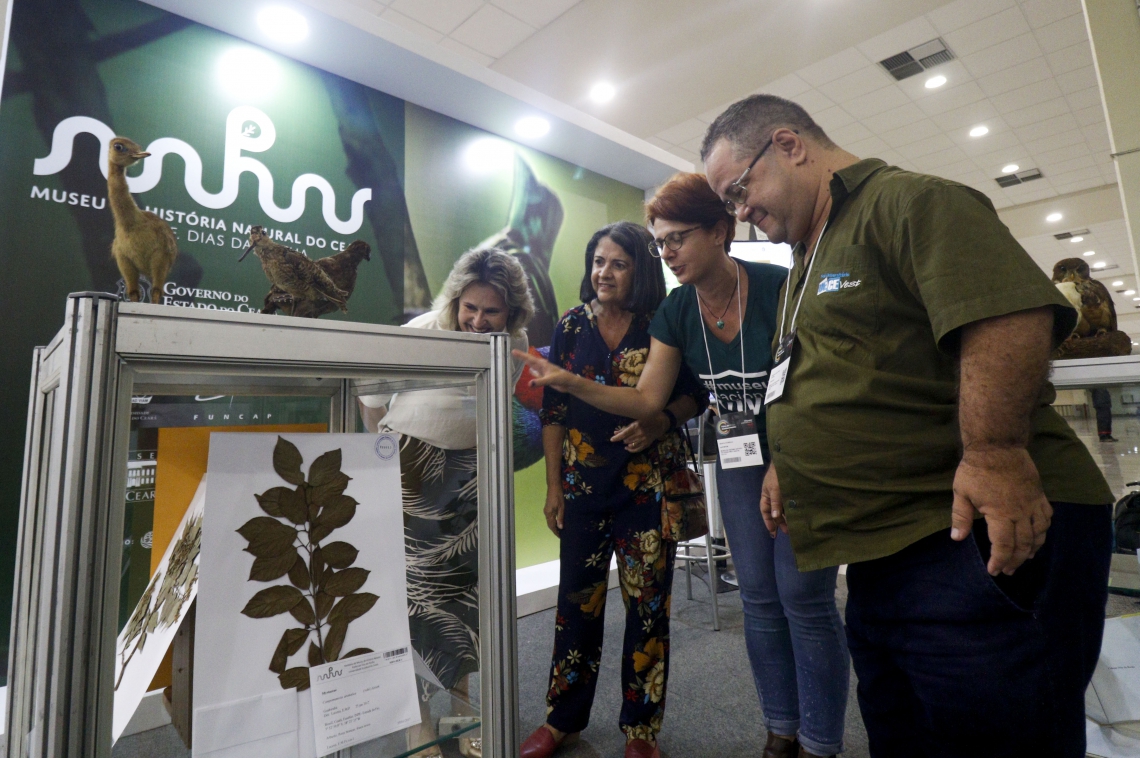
{"x":688,"y":198}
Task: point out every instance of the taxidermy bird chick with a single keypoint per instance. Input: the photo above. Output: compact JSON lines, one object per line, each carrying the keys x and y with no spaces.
{"x":144,"y":243}
{"x":341,"y":268}
{"x":293,"y":273}
{"x":1091,"y":298}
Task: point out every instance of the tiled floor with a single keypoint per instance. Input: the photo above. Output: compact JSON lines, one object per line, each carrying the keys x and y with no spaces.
{"x":1120,"y":461}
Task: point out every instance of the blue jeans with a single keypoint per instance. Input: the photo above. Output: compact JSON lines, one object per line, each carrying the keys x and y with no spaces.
{"x":795,"y":638}
{"x":954,"y":663}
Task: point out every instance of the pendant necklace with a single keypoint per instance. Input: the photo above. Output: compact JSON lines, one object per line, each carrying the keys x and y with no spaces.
{"x":720,"y":320}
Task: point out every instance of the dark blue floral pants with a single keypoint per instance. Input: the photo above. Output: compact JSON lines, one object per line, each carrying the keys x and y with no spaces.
{"x":645,"y":569}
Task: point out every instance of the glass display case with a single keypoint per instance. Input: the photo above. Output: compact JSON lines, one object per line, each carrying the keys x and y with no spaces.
{"x":123,"y":402}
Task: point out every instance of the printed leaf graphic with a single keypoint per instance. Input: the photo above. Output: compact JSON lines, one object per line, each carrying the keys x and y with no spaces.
{"x":287,"y":461}
{"x":267,"y":537}
{"x":353,"y":607}
{"x":290,"y":643}
{"x":334,"y":639}
{"x":303,"y":612}
{"x":356,"y":652}
{"x":295,"y":677}
{"x":272,"y":601}
{"x":324,"y":468}
{"x":269,"y":500}
{"x":339,"y":555}
{"x":275,"y":567}
{"x":345,"y":582}
{"x":315,"y":658}
{"x":299,"y":574}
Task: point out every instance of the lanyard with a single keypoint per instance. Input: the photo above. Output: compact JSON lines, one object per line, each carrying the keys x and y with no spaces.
{"x":787,"y":290}
{"x":705,"y":335}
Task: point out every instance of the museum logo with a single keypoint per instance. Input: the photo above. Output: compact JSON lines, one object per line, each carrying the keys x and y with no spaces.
{"x":248,"y":130}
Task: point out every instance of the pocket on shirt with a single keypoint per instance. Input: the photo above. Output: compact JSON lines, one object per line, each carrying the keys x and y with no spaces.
{"x":843,"y":293}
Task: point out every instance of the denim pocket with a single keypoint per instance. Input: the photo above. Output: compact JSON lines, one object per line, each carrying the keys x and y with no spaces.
{"x":1023,"y":589}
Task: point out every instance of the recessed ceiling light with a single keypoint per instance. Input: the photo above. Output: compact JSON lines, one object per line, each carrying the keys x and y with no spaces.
{"x":532,"y":127}
{"x":1075,"y":240}
{"x":1102,"y":264}
{"x":602,"y":92}
{"x":1053,"y":218}
{"x":1134,"y":300}
{"x":283,"y":24}
{"x":1087,"y":253}
{"x":935,"y":82}
{"x":1118,"y":284}
{"x":1129,"y":292}
{"x":979,"y":131}
{"x":1009,"y":168}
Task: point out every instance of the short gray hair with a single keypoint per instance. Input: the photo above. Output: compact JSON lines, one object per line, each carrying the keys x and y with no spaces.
{"x":493,"y":267}
{"x":747,"y":124}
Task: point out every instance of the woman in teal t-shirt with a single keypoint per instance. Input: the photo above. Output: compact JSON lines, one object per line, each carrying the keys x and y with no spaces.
{"x":721,"y":324}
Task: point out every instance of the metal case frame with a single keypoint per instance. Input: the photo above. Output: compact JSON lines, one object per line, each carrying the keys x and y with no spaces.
{"x":66,"y":595}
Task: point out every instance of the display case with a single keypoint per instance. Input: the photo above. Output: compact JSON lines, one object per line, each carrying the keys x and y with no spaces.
{"x":111,"y":396}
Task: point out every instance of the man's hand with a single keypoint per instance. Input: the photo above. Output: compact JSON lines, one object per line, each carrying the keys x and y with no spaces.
{"x":641,"y":434}
{"x":772,"y":504}
{"x":545,"y":373}
{"x":554,"y":509}
{"x":1003,"y":485}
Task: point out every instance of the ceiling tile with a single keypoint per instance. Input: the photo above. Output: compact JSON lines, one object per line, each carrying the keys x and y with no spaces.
{"x":693,"y":145}
{"x":660,"y":143}
{"x":830,"y":69}
{"x":860,"y":82}
{"x":1023,"y":97}
{"x":1096,"y":136}
{"x":1071,"y":57}
{"x":1002,"y":55}
{"x":956,"y":169}
{"x":999,"y":140}
{"x":710,"y":115}
{"x":410,"y":24}
{"x":934,"y":161}
{"x":1071,"y":152}
{"x":895,"y":41}
{"x":894,"y":118}
{"x":683,"y":132}
{"x":891,"y":157}
{"x":924,"y":146}
{"x":459,"y":47}
{"x":442,"y":15}
{"x":911,"y":133}
{"x":879,"y":101}
{"x":1063,"y":123}
{"x":1089,"y":115}
{"x":1032,"y":70}
{"x":851,"y":133}
{"x":1078,"y":175}
{"x":1079,"y":185}
{"x":492,"y":31}
{"x":1071,"y":164}
{"x":1055,"y":142}
{"x":372,"y":6}
{"x":813,"y":101}
{"x":952,"y":99}
{"x":964,"y":12}
{"x":790,"y":87}
{"x":1044,"y":12}
{"x":989,"y":31}
{"x":1078,"y":79}
{"x":537,"y":13}
{"x":1028,"y":193}
{"x":1084,"y":98}
{"x":868,"y":148}
{"x":1062,"y":34}
{"x":688,"y":155}
{"x":1035,"y":113}
{"x":981,"y":112}
{"x":833,"y":118}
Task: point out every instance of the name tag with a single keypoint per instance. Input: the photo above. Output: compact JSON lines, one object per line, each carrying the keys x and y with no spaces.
{"x":738,"y":441}
{"x":778,"y":376}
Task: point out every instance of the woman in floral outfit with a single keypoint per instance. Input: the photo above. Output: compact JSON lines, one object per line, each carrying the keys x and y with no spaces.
{"x":604,"y":495}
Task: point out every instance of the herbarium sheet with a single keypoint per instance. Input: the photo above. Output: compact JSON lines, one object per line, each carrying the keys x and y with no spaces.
{"x":302,"y":572}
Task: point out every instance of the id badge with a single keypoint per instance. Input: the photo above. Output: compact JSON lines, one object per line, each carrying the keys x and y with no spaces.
{"x":778,"y":376}
{"x":738,"y":441}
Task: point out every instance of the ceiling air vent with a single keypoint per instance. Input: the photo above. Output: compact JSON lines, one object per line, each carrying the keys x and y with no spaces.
{"x":917,"y":59}
{"x":1070,"y":235}
{"x":1021,"y":177}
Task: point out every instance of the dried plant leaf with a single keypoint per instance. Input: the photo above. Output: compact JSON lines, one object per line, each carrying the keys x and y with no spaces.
{"x":315,"y":657}
{"x":299,"y":574}
{"x":338,"y":512}
{"x":333,"y":488}
{"x":324,"y":604}
{"x":319,"y":532}
{"x":274,"y":567}
{"x":293,"y":505}
{"x":273,"y":601}
{"x":324,"y":468}
{"x":334,"y":639}
{"x":290,"y":643}
{"x":317,"y":569}
{"x":353,"y":607}
{"x":303,"y":612}
{"x":339,"y":555}
{"x":295,"y":677}
{"x":267,"y":537}
{"x":270,"y":499}
{"x":356,"y":652}
{"x":345,"y":582}
{"x":287,"y":461}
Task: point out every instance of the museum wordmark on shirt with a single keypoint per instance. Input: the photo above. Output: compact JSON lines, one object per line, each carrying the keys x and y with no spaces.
{"x":730,"y":386}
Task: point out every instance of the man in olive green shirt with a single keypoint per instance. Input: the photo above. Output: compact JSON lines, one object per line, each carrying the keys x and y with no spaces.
{"x":916,"y":335}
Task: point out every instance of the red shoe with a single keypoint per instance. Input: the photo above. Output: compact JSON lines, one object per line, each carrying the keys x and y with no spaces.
{"x":542,"y":744}
{"x":641,"y":749}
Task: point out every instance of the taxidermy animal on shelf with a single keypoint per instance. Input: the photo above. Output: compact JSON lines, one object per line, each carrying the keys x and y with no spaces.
{"x":341,"y":268}
{"x":1091,"y":298}
{"x":144,"y":243}
{"x":298,"y":278}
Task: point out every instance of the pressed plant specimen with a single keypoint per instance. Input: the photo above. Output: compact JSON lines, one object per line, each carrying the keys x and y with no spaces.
{"x":290,"y":541}
{"x":160,"y":611}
